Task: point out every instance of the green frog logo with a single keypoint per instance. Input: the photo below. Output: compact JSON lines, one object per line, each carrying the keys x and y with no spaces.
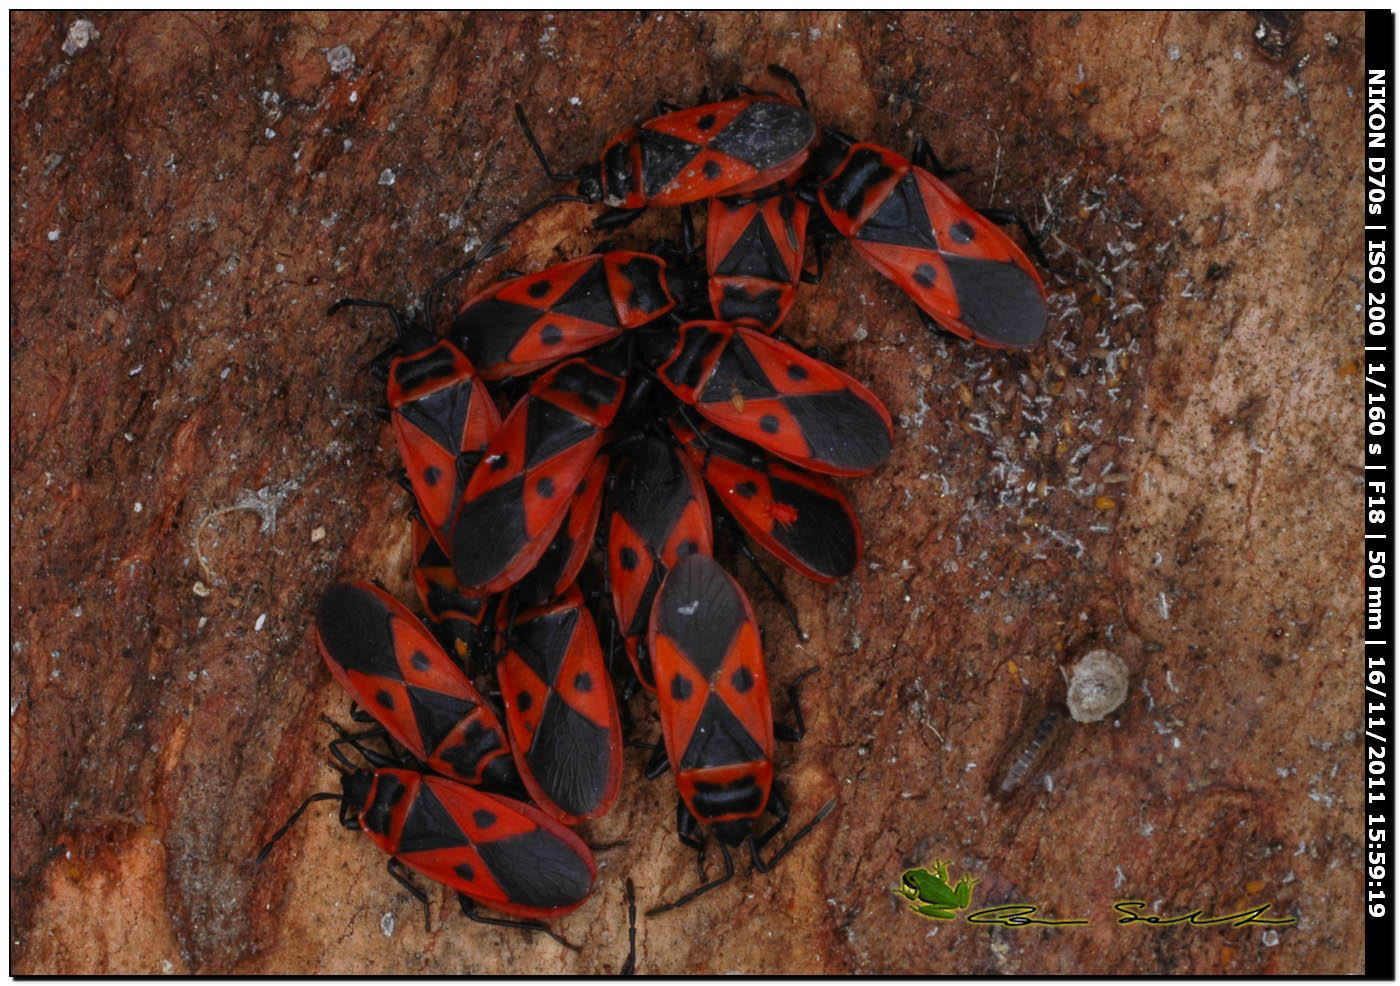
{"x":930,"y":893}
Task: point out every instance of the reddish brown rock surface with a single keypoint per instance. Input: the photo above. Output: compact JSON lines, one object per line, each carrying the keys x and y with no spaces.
{"x":194,"y":457}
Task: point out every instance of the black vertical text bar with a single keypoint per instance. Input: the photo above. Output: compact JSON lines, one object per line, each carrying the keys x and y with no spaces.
{"x":1378,"y":361}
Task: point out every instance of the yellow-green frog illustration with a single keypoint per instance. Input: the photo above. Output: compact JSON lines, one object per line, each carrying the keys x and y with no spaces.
{"x":930,"y":894}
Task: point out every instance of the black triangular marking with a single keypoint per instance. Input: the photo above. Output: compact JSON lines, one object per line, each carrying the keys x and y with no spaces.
{"x":901,"y":219}
{"x":998,"y":301}
{"x":701,"y":612}
{"x":822,"y":534}
{"x":766,"y":133}
{"x":357,"y":630}
{"x":736,"y":372}
{"x":663,"y":158}
{"x":549,"y":430}
{"x":588,"y":297}
{"x":841,"y":429}
{"x":442,"y":414}
{"x":490,"y":330}
{"x":652,"y":491}
{"x":719,"y":739}
{"x":543,"y":643}
{"x":437,"y":714}
{"x":489,"y":533}
{"x":429,"y":825}
{"x":537,"y":869}
{"x":569,"y":757}
{"x":755,"y":254}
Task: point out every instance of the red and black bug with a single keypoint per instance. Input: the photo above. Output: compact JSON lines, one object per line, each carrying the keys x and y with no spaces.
{"x":774,"y":395}
{"x":954,"y":263}
{"x":753,"y":253}
{"x":394,"y":667}
{"x":731,"y":147}
{"x":561,"y":710}
{"x":527,"y":322}
{"x":441,"y":413}
{"x":520,"y":493}
{"x":457,"y":617}
{"x":505,"y":854}
{"x":802,"y":518}
{"x":657,"y":514}
{"x":559,"y":566}
{"x":716,"y":716}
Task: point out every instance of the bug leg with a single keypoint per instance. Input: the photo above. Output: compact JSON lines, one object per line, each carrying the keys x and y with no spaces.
{"x":794,"y":732}
{"x":1009,"y":217}
{"x":663,"y":106}
{"x":360,"y":715}
{"x":815,"y":277}
{"x":924,"y":157}
{"x":791,"y":79}
{"x":688,"y":831}
{"x":539,"y":151}
{"x":687,"y":231}
{"x":658,"y":763}
{"x":400,"y":873}
{"x":782,"y":598}
{"x":777,"y":807}
{"x":470,"y":911}
{"x":764,"y":866}
{"x":629,"y":967}
{"x":703,"y":888}
{"x":616,"y":218}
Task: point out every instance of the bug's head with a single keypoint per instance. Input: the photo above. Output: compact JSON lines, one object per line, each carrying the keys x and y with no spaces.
{"x":590,"y":184}
{"x":355,"y":786}
{"x":827,"y":156}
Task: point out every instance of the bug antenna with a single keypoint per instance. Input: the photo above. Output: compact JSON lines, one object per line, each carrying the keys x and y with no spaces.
{"x":491,"y":249}
{"x":791,"y":79}
{"x":764,"y":867}
{"x":320,"y":796}
{"x":393,"y":311}
{"x":537,"y":208}
{"x":629,"y":967}
{"x":539,"y":151}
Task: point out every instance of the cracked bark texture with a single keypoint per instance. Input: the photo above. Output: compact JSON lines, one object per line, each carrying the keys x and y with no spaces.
{"x":195,"y":457}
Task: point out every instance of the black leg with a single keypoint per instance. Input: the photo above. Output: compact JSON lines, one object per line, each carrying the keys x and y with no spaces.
{"x":778,"y":808}
{"x":400,"y":873}
{"x":658,"y":763}
{"x":1007,"y":217}
{"x":469,"y":909}
{"x":616,"y":218}
{"x":778,"y":593}
{"x":758,"y":861}
{"x":794,"y":732}
{"x":629,"y":967}
{"x":689,"y":832}
{"x":687,"y":230}
{"x":924,"y":157}
{"x":791,"y":80}
{"x":703,"y":888}
{"x":539,"y":151}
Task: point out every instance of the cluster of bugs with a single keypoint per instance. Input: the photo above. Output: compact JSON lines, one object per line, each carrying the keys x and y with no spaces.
{"x":639,"y":402}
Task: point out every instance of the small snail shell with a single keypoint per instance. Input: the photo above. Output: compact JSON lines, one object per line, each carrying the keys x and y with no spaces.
{"x":1097,"y":685}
